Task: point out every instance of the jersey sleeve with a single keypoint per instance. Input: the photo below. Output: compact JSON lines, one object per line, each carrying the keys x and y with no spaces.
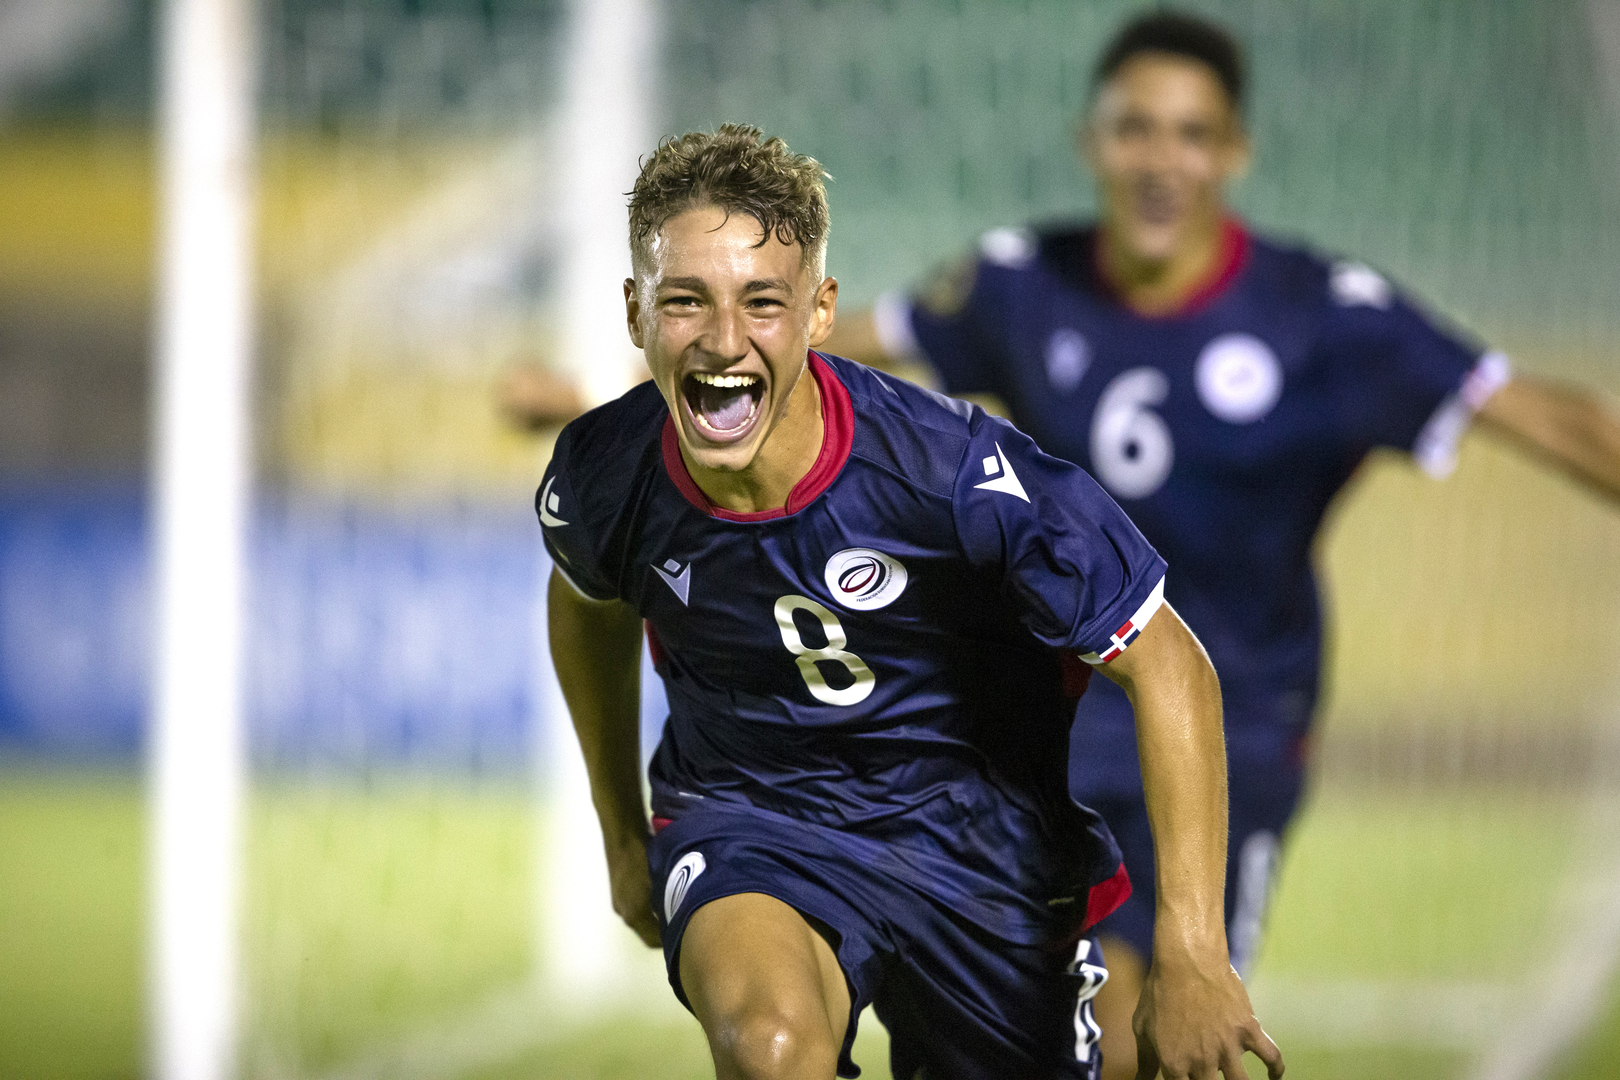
{"x":1076,"y":567}
{"x":577,"y":554}
{"x":951,"y":324}
{"x":1403,"y":380}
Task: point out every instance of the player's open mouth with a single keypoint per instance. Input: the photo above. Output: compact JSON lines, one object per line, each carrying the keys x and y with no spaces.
{"x":723,"y":407}
{"x":1156,"y":207}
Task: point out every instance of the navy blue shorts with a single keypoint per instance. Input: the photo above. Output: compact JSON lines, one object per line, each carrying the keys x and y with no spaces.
{"x":959,"y":1002}
{"x":1264,"y":794}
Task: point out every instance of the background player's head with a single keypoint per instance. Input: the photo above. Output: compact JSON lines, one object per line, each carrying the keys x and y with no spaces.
{"x":728,"y":243}
{"x":1165,"y":130}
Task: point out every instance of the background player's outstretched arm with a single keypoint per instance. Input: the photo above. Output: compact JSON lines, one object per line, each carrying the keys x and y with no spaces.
{"x":1194,"y":1017}
{"x":1570,"y":426}
{"x":855,"y":336}
{"x":532,"y":396}
{"x":596,"y":647}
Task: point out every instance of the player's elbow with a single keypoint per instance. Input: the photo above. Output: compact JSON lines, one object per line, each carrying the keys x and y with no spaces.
{"x":1167,"y":653}
{"x":765,"y":1042}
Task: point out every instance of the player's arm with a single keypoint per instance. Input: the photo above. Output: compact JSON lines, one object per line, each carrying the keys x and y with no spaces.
{"x":1194,"y":1018}
{"x":1571,"y":427}
{"x":531,"y":397}
{"x":855,"y":335}
{"x":596,"y":647}
{"x":934,"y":337}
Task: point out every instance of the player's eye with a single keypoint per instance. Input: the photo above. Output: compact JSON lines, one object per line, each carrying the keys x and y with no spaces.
{"x":1198,"y":134}
{"x":1131,"y":127}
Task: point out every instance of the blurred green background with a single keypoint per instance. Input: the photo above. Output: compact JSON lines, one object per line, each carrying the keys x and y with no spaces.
{"x":1446,"y":891}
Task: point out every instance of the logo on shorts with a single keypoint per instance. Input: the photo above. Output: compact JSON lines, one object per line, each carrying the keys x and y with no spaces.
{"x":862,"y":579}
{"x":680,"y":879}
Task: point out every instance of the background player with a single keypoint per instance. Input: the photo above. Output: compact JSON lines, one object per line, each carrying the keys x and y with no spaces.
{"x":856,"y":592}
{"x":1223,"y":388}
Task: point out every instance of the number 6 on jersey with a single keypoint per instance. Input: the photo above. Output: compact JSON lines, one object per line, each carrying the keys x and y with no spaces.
{"x":806,"y":657}
{"x":1131,"y":448}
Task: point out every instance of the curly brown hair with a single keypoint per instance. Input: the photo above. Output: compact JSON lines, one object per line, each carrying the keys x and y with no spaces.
{"x":739,"y":170}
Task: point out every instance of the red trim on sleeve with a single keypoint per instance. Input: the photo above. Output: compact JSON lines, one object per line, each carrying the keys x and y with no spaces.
{"x":655,"y":648}
{"x":1104,"y":898}
{"x":659,"y":824}
{"x":1233,"y":257}
{"x":838,"y":435}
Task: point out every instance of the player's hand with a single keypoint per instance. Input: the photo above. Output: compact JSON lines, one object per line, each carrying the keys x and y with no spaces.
{"x":1194,"y":1022}
{"x":631,"y":885}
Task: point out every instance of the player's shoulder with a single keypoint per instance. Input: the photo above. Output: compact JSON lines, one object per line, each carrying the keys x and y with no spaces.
{"x":1064,"y":245}
{"x":1301,"y":272}
{"x":912,"y":432}
{"x":604,"y":450}
{"x":1015,"y":248}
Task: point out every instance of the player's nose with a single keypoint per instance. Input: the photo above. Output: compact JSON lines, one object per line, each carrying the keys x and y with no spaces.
{"x":727,"y":333}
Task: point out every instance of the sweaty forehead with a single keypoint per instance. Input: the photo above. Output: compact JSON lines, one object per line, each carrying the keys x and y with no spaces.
{"x":706,"y":242}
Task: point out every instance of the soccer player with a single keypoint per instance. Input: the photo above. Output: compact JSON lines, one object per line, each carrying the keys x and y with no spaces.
{"x":1223,"y":388}
{"x":860,"y":596}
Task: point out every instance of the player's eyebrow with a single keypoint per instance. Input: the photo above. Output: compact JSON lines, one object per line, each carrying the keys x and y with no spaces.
{"x":766,"y":284}
{"x":690,"y":284}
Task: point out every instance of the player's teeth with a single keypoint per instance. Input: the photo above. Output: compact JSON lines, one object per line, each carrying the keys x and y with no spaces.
{"x":725,"y":382}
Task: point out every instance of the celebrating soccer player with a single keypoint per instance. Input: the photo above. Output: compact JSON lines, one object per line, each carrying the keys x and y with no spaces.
{"x":1223,"y":388}
{"x":863,"y":599}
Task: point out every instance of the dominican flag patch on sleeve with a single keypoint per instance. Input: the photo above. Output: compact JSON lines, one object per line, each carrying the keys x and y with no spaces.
{"x":1121,"y":639}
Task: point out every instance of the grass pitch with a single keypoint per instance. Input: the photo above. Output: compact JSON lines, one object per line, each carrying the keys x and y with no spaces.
{"x":375,"y":914}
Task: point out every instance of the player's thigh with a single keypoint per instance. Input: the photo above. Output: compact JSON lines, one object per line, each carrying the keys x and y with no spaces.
{"x":752,"y":965}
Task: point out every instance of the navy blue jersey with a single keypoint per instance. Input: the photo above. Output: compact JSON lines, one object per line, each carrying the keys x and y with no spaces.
{"x":1224,"y":430}
{"x":884,"y":655}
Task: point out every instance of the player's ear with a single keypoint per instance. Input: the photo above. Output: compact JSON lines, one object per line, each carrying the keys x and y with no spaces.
{"x":826,"y":311}
{"x":632,"y":312}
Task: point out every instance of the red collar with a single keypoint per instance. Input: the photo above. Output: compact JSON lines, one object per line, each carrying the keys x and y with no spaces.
{"x":1229,"y":263}
{"x":838,"y":435}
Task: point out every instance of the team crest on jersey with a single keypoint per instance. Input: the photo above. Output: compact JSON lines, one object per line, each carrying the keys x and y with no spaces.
{"x":680,"y":879}
{"x":862,"y":579}
{"x":1239,"y":378}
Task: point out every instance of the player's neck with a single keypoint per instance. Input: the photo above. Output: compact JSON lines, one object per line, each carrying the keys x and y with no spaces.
{"x":788,"y":453}
{"x":1153,"y":286}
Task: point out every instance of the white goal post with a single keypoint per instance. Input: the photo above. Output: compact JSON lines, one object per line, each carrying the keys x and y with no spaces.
{"x":201,"y":483}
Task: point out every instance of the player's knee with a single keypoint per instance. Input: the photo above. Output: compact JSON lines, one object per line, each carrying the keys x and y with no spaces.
{"x":775,"y":1041}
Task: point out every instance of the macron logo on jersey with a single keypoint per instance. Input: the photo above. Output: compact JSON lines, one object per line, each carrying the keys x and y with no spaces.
{"x":680,"y":583}
{"x":1003,"y":479}
{"x":1127,"y":633}
{"x":548,"y":505}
